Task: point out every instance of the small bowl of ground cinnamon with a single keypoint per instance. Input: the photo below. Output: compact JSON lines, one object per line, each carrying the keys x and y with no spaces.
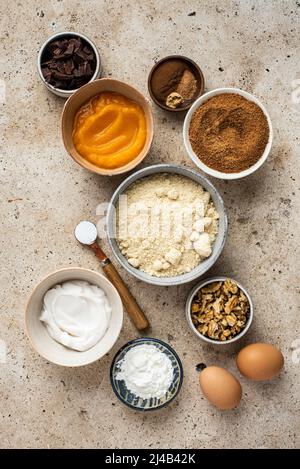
{"x":228,"y":133}
{"x":175,"y":82}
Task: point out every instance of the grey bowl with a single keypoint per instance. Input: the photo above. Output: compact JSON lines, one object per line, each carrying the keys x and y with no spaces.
{"x":189,"y":317}
{"x":218,"y":244}
{"x":137,"y":403}
{"x":58,"y":91}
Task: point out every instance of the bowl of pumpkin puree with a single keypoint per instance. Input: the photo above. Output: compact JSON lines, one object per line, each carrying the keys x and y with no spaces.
{"x":107,"y":127}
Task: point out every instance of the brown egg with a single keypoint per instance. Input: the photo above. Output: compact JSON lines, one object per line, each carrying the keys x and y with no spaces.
{"x":220,"y":387}
{"x":260,"y":362}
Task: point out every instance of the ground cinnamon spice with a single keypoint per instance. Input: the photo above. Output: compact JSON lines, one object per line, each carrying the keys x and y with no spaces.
{"x":174,"y":76}
{"x":187,"y":87}
{"x":166,"y":77}
{"x":229,"y":133}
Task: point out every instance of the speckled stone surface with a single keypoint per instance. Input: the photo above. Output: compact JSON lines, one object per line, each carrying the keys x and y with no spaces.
{"x":253,"y":45}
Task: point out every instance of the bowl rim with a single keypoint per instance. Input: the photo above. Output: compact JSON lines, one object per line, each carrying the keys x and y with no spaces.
{"x":203,"y":283}
{"x":34,"y":290}
{"x":150,"y":130}
{"x":54,"y":89}
{"x":206,"y":169}
{"x":137,"y":341}
{"x":185,"y":59}
{"x":148,"y":171}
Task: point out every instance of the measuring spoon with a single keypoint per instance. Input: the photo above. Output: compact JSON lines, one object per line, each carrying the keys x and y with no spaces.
{"x":86,"y":233}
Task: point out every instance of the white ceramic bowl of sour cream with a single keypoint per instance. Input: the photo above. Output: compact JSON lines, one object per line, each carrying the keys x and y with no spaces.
{"x":52,"y":350}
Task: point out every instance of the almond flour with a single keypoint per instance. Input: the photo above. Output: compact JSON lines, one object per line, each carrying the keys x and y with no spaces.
{"x":166,"y":225}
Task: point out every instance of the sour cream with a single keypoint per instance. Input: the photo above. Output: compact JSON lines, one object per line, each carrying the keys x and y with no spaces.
{"x":76,"y":314}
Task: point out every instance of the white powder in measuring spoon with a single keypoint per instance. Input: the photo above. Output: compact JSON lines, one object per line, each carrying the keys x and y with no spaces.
{"x":86,"y":232}
{"x":147,"y":371}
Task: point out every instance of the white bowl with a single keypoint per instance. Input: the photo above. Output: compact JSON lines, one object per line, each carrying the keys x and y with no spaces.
{"x":194,"y":157}
{"x":188,"y":308}
{"x":48,"y":347}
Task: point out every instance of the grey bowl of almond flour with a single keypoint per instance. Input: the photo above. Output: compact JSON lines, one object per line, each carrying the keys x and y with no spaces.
{"x":205,"y":263}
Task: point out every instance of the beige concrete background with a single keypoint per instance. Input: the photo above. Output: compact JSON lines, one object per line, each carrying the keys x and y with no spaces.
{"x":249,"y":44}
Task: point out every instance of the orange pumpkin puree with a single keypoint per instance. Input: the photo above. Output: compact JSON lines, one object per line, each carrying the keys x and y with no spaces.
{"x":110,"y":130}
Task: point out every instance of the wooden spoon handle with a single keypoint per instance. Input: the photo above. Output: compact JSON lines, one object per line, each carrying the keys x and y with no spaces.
{"x":136,"y":314}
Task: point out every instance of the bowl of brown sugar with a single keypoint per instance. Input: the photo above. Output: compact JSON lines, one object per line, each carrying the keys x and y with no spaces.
{"x":228,"y":133}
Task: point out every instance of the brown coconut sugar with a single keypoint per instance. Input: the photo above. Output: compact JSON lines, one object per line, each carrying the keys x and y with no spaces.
{"x":229,"y":133}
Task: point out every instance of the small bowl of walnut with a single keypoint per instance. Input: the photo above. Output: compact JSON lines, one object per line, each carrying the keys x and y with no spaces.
{"x":219,"y":310}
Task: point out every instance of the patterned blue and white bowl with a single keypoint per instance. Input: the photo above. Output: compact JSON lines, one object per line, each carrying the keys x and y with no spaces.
{"x":130,"y":399}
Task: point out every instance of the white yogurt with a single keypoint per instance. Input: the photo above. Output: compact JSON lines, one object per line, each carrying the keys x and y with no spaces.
{"x":76,"y":314}
{"x":147,"y":371}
